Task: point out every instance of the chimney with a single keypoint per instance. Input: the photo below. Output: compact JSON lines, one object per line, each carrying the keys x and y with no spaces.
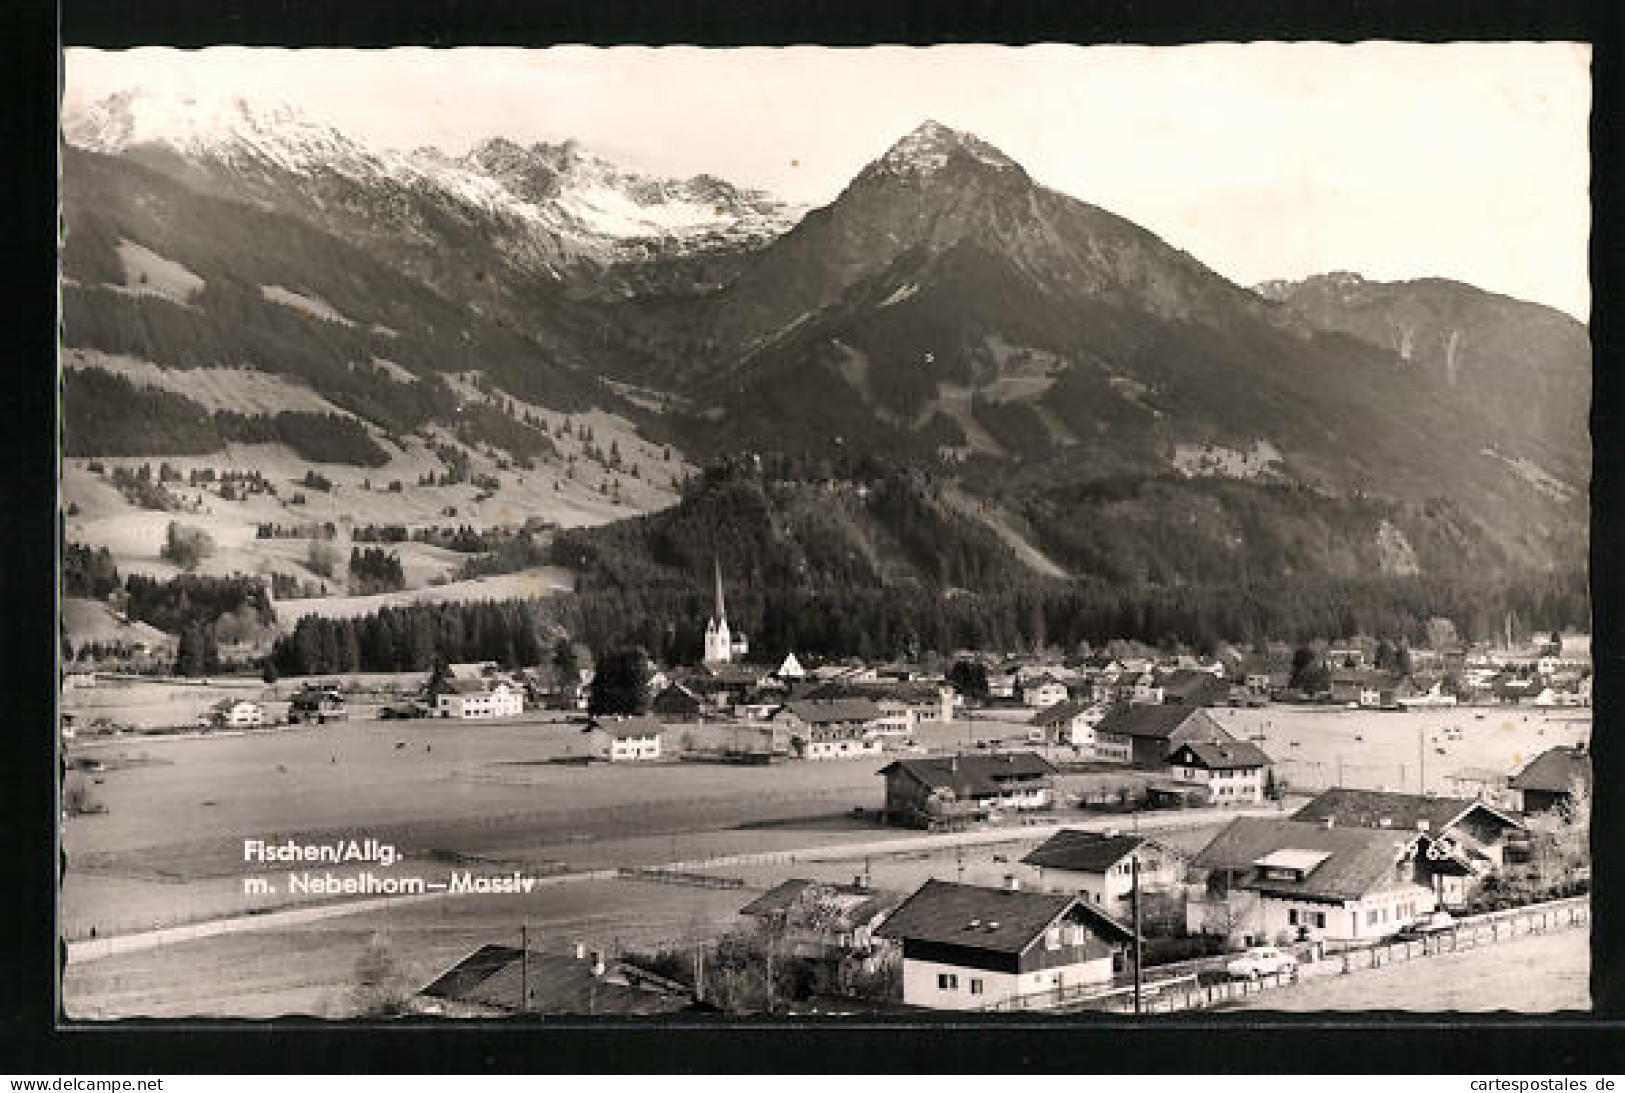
{"x":859,"y":882}
{"x":581,"y":951}
{"x":1331,"y":822}
{"x":1011,"y":883}
{"x":1422,"y":825}
{"x":1386,"y":821}
{"x":598,"y":966}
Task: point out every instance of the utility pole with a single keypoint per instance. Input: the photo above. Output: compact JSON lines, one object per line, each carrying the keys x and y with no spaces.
{"x":1134,"y":866}
{"x":524,"y":969}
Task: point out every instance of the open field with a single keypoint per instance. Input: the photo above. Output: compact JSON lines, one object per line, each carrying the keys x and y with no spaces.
{"x":1542,"y":973}
{"x":317,"y":958}
{"x":569,"y":489}
{"x":524,"y":585}
{"x":484,"y":797}
{"x":1319,"y":746}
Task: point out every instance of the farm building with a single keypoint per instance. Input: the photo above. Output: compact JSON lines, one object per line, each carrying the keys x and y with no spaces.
{"x":678,"y":703}
{"x":235,"y":714}
{"x":968,"y":947}
{"x":1099,"y":866}
{"x":317,"y":703}
{"x":1479,"y":829}
{"x":625,"y":739}
{"x":1232,"y":771}
{"x":1193,"y":687}
{"x":903,"y":704}
{"x":1273,"y":880}
{"x":496,"y":980}
{"x":820,"y":920}
{"x":1066,"y":724}
{"x":958,"y":789}
{"x":1551,"y":779}
{"x":1145,"y":735}
{"x":832,"y":728}
{"x":478,"y":699}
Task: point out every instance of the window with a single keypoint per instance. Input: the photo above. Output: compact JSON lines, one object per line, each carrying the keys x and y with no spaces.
{"x":1292,"y":917}
{"x":976,"y":986}
{"x":947,"y":982}
{"x":1320,"y":919}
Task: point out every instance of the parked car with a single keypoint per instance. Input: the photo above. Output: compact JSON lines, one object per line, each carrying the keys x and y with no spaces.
{"x":1436,"y":923}
{"x":1264,"y":960}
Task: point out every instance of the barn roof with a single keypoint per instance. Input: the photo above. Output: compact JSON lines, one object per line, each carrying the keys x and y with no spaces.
{"x":1369,"y":808}
{"x":1223,"y":754}
{"x":1159,"y":722}
{"x":1555,"y":770}
{"x":495,"y":976}
{"x":972,"y":775}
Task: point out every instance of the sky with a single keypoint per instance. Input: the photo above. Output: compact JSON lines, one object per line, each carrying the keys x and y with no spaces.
{"x":1468,"y":161}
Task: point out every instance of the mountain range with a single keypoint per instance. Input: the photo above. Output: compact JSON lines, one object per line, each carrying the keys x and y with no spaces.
{"x":945,"y":309}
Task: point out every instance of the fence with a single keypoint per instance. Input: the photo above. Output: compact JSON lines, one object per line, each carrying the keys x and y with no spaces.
{"x":673,"y":876}
{"x":1171,"y":988}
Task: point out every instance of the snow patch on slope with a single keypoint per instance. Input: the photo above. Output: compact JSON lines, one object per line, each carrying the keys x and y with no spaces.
{"x":310,"y":305}
{"x":149,"y":274}
{"x":1534,"y":474}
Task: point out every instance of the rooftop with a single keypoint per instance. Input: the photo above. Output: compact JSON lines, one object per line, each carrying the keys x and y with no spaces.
{"x":1370,"y":808}
{"x":994,"y":919}
{"x":1555,"y":770}
{"x":973,"y":775}
{"x":1223,"y":755}
{"x":1154,"y":721}
{"x":494,"y":975}
{"x":1084,"y":851}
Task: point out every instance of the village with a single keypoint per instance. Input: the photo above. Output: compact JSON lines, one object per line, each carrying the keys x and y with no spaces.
{"x":1016,"y":834}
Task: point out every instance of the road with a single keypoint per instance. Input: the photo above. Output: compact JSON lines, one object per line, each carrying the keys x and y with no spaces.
{"x":1540,"y":973}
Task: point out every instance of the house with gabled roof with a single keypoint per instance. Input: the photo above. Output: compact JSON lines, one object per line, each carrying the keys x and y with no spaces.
{"x":1269,"y":880}
{"x":1099,"y":865}
{"x":1549,"y":781}
{"x":626,"y":739}
{"x":498,"y":980}
{"x":1232,"y":771}
{"x":970,"y":947}
{"x":1477,"y":826}
{"x":841,"y":728}
{"x":1192,"y":687}
{"x":953,"y":790}
{"x":819,"y":920}
{"x":479,"y":698}
{"x":1146,"y":735}
{"x":1066,"y":724}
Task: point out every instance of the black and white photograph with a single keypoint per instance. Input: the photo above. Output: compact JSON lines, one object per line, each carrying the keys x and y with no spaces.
{"x":667,"y":533}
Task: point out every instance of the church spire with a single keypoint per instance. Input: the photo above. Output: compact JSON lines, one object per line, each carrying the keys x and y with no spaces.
{"x":721,"y":615}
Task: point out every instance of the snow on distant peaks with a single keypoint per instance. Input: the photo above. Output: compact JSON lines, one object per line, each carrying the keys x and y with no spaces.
{"x":206,"y":124}
{"x":929,"y":148}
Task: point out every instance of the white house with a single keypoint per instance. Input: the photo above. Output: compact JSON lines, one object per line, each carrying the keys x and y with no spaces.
{"x":478,"y":699}
{"x":626,"y":739}
{"x":1270,"y":881}
{"x":968,"y":947}
{"x":1066,"y":724}
{"x":1100,"y":867}
{"x":1232,"y":770}
{"x":1044,"y":691}
{"x":236,"y":714}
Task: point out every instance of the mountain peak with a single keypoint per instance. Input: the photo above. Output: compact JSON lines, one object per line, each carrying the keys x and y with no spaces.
{"x":932,"y":146}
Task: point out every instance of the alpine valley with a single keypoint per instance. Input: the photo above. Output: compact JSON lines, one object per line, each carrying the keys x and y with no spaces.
{"x":950,"y":381}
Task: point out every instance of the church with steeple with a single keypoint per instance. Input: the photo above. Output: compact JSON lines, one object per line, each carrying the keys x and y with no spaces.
{"x":722,"y":646}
